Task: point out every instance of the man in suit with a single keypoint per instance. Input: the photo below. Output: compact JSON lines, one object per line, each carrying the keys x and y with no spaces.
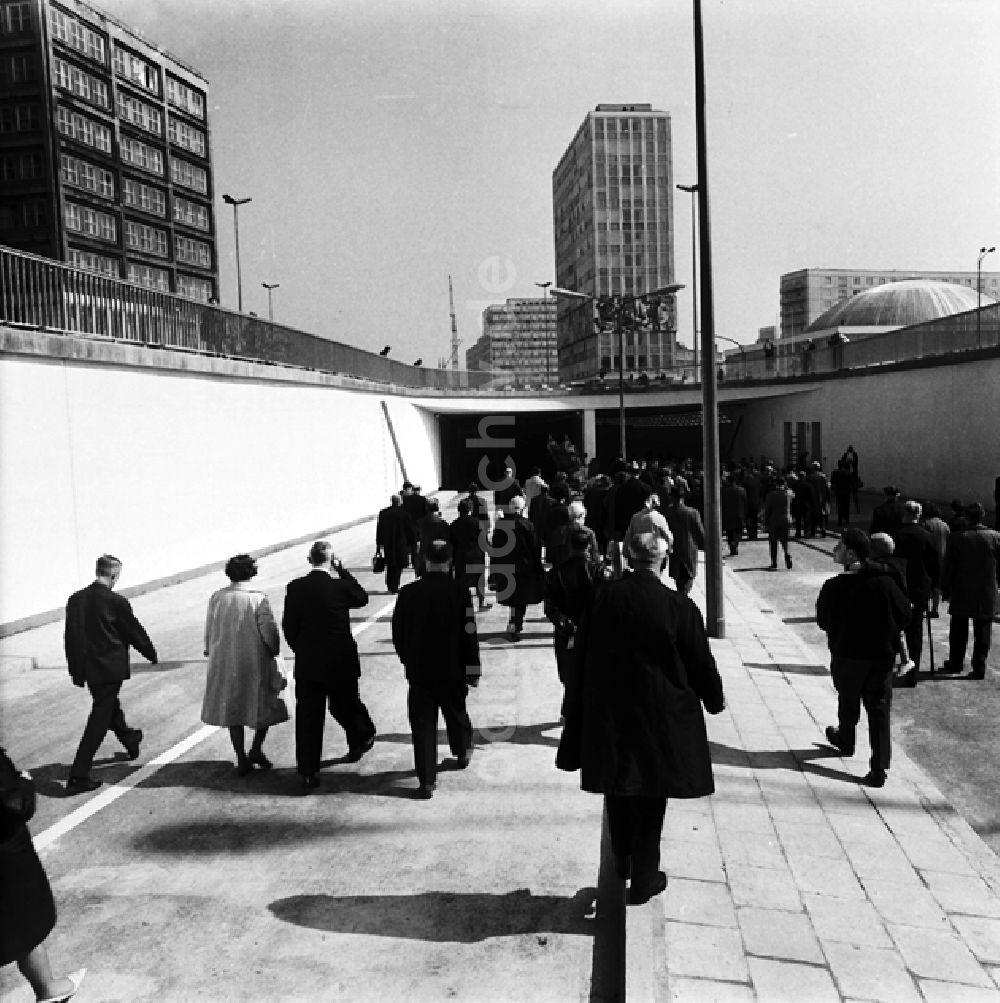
{"x":100,"y":627}
{"x":689,"y":537}
{"x":431,"y":527}
{"x":468,"y":543}
{"x":634,"y":725}
{"x":434,"y":634}
{"x":914,"y":545}
{"x":970,"y":585}
{"x":395,"y":536}
{"x":317,"y":625}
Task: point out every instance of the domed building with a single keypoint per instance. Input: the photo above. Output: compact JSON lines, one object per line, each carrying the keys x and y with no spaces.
{"x":895,"y":305}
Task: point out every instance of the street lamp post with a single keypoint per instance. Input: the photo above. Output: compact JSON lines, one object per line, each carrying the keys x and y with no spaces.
{"x":983,"y":251}
{"x":693,"y":189}
{"x":545,"y":286}
{"x":270,"y":287}
{"x":620,"y":309}
{"x":236,"y":203}
{"x":742,"y":350}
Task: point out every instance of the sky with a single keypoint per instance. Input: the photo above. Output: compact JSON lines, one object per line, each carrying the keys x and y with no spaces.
{"x":390,"y":144}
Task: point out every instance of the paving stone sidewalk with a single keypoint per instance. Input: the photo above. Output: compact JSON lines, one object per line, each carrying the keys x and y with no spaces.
{"x":796,"y":883}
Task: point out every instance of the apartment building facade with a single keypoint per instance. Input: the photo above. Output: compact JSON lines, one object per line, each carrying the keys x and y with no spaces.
{"x":808,"y":293}
{"x":105,"y":150}
{"x":612,"y":204}
{"x":519,"y":338}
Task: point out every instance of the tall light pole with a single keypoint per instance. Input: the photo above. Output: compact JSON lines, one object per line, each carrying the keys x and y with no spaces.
{"x":693,"y":189}
{"x":236,"y":203}
{"x":545,"y":287}
{"x":715,"y":618}
{"x":270,"y":286}
{"x":983,"y":251}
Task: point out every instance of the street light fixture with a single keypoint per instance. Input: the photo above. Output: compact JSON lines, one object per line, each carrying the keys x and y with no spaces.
{"x":236,"y":203}
{"x":545,"y":287}
{"x":270,"y":286}
{"x":620,"y":309}
{"x":693,"y":189}
{"x":983,"y":251}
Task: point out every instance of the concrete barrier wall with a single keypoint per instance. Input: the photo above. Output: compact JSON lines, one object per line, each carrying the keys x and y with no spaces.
{"x":934,"y":431}
{"x":174,"y":470}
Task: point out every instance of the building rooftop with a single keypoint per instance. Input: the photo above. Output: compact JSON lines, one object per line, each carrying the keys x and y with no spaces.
{"x":898,"y":304}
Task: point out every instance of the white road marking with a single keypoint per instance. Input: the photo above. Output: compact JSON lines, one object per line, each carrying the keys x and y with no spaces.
{"x":109,"y":795}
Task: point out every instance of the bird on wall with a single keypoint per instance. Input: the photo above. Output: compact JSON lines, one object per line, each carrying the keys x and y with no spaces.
{"x":419,"y":362}
{"x":385,"y":351}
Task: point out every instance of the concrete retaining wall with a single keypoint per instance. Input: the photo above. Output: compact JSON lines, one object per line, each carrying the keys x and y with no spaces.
{"x":172,"y":470}
{"x":930,"y":430}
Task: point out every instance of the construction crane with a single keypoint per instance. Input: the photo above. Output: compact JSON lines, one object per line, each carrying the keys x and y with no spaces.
{"x":455,"y":342}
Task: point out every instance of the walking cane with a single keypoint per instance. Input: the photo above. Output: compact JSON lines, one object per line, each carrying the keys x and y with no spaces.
{"x":930,"y":641}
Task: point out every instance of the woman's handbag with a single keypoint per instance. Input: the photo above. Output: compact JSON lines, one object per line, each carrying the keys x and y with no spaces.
{"x":378,"y":563}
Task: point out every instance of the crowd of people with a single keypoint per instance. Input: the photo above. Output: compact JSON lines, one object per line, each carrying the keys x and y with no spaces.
{"x":632,"y":654}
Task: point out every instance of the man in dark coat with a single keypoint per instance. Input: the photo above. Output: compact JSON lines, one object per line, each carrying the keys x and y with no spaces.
{"x":862,"y":612}
{"x":733,"y":507}
{"x":970,"y":585}
{"x":434,"y":634}
{"x":914,"y":544}
{"x":317,"y":625}
{"x":468,"y":543}
{"x":416,"y":508}
{"x":634,"y":726}
{"x":431,"y":527}
{"x":394,"y":539}
{"x":516,"y":565}
{"x":888,"y":515}
{"x":841,"y":485}
{"x":689,"y":537}
{"x":506,"y":490}
{"x":100,"y":627}
{"x":594,"y":498}
{"x":753,"y":485}
{"x":820,"y":488}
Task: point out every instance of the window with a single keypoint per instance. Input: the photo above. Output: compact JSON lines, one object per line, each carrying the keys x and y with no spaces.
{"x":193,"y":288}
{"x":76,"y":81}
{"x":139,"y":113}
{"x":137,"y":70}
{"x":193,"y":252}
{"x":91,"y":222}
{"x":151,"y":278}
{"x":149,"y":239}
{"x":192,"y":213}
{"x":22,"y":166}
{"x":186,"y":135}
{"x":77,"y":35}
{"x":20,"y":69}
{"x":91,"y":262}
{"x":84,"y":130}
{"x":186,"y":98}
{"x":133,"y":151}
{"x":188,"y":175}
{"x":34,"y":213}
{"x":15,"y":18}
{"x":82,"y":174}
{"x":145,"y":197}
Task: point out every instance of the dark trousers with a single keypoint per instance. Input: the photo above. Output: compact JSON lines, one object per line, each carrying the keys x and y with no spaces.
{"x":733,"y":537}
{"x":776,"y":535}
{"x":105,"y":715}
{"x":393,"y":572}
{"x":517,"y":615}
{"x":915,"y":631}
{"x":958,"y":641}
{"x":635,"y":825}
{"x":311,"y":699}
{"x":753,"y":516}
{"x":422,"y":705}
{"x":868,"y":682}
{"x":843,"y":509}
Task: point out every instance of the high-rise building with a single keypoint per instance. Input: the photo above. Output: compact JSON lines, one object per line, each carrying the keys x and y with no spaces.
{"x":810,"y":292}
{"x":519,"y":338}
{"x":612,"y":205}
{"x":105,"y":152}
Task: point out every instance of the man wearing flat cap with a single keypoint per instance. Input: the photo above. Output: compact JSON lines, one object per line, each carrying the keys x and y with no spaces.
{"x":634,"y":724}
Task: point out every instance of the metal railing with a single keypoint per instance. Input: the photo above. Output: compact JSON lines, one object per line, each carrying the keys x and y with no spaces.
{"x":40,"y":293}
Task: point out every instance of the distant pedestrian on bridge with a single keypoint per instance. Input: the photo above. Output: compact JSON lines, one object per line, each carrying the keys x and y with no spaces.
{"x":100,"y":628}
{"x":317,"y":625}
{"x":242,"y":679}
{"x":634,"y":724}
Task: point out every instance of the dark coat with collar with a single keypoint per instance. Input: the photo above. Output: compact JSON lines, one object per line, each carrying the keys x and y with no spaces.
{"x":689,"y":537}
{"x":863,"y":613}
{"x":100,"y":628}
{"x":395,"y":535}
{"x":915,"y":546}
{"x":434,"y":631}
{"x":634,"y":725}
{"x":516,"y":562}
{"x":317,"y":624}
{"x":970,"y":572}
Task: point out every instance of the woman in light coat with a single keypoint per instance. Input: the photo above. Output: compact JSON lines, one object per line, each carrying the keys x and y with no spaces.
{"x":241,"y":642}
